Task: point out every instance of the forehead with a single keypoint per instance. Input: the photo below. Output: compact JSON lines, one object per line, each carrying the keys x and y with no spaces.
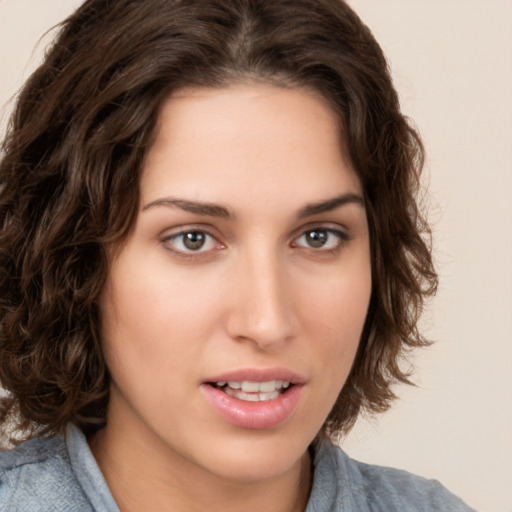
{"x":250,"y":140}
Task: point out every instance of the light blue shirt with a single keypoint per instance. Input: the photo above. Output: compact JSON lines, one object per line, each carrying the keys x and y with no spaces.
{"x":60,"y":474}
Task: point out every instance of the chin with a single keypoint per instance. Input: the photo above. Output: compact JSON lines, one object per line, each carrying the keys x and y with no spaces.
{"x":257,"y":456}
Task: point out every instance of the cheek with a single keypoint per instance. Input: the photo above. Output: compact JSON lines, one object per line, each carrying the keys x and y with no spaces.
{"x":151,"y":321}
{"x":338,"y":303}
{"x":335,"y":317}
{"x":336,"y":313}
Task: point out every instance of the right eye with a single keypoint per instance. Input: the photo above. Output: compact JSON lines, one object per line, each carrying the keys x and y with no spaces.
{"x":191,"y":241}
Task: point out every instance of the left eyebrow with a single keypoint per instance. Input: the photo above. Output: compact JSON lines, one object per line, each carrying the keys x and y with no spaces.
{"x":330,"y":204}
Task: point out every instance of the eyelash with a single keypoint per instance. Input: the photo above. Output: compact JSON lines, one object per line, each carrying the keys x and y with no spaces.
{"x":185,"y":252}
{"x":341,"y":238}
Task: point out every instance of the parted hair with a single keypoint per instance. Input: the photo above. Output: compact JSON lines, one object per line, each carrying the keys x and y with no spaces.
{"x":71,"y":164}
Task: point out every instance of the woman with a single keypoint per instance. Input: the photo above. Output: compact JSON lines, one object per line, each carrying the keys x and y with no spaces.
{"x":212,"y":261}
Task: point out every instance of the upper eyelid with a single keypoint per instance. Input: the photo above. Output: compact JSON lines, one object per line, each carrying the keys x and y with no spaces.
{"x":333,"y":227}
{"x":179,"y":230}
{"x":323,"y":223}
{"x":337,"y":232}
{"x":189,"y":228}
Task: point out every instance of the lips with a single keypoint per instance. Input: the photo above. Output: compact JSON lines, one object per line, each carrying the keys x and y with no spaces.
{"x":254,"y":398}
{"x":254,"y":391}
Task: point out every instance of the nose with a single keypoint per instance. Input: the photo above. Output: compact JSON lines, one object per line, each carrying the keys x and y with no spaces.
{"x":262,"y":306}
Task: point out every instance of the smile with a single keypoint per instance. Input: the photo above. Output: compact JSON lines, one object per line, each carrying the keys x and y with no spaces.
{"x":251,"y":391}
{"x":255,"y":399}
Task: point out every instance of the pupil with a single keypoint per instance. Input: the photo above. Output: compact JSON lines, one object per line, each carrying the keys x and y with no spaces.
{"x":317,"y":238}
{"x":193,"y":240}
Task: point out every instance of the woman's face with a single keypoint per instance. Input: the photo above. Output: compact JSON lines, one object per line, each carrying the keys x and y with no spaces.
{"x":232,"y":314}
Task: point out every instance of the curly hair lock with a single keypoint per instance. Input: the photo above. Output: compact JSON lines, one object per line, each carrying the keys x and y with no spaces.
{"x":70,"y":169}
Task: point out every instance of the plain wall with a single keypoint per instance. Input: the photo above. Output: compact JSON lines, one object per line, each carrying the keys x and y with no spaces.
{"x":452,"y":62}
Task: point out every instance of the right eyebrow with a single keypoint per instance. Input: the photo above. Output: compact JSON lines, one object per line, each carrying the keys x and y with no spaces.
{"x":197,"y":207}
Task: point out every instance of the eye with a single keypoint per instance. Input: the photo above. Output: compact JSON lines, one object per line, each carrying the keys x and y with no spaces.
{"x":321,"y":239}
{"x":191,"y":241}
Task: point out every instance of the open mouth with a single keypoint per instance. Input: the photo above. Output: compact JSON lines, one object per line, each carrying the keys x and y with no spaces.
{"x":255,"y":399}
{"x":250,"y":391}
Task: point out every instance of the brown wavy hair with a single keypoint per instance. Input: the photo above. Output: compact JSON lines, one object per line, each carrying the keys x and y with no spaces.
{"x":71,"y":164}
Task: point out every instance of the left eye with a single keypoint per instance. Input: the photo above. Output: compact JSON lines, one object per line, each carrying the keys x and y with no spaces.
{"x":320,"y":238}
{"x":191,"y":241}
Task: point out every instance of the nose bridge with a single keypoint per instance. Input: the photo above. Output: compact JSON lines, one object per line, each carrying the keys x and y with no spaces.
{"x":262,"y":309}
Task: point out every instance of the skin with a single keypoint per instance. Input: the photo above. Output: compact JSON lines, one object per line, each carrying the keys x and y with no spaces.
{"x":256,"y":295}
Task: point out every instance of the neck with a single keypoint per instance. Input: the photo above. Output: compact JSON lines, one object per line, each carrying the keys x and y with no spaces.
{"x":147,"y":478}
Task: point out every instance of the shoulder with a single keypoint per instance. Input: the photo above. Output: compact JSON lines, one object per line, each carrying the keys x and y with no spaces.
{"x":37,"y":476}
{"x":347,"y":484}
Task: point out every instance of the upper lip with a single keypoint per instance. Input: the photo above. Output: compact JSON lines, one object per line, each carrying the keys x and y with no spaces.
{"x":258,"y":375}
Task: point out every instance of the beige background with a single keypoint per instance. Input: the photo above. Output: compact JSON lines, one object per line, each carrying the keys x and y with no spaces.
{"x":452,"y":61}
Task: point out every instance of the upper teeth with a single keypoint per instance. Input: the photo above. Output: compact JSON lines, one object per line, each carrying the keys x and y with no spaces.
{"x":256,"y":387}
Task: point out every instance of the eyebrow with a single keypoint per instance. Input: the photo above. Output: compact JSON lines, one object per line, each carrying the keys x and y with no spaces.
{"x":330,"y":204}
{"x":209,"y":209}
{"x":215,"y":210}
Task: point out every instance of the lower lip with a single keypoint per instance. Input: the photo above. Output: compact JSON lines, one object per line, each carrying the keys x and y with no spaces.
{"x":253,"y":415}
